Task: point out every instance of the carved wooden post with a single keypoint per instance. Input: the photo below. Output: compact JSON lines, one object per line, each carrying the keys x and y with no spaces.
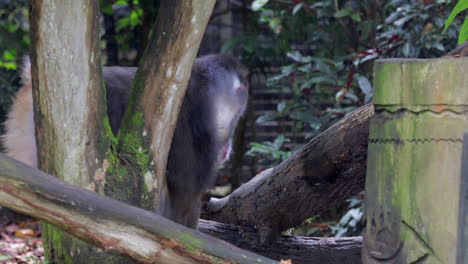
{"x":414,"y":161}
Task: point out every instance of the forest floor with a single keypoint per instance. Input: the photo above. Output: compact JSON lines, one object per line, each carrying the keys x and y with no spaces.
{"x":20,"y":240}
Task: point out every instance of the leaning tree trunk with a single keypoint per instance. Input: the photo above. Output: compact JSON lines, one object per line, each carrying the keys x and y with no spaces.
{"x":73,"y":132}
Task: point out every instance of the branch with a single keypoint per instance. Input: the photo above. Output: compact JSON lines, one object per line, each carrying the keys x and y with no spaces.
{"x":298,"y":249}
{"x":109,"y":224}
{"x":325,"y":172}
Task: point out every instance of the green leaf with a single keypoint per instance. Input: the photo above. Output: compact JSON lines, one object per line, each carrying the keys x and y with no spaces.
{"x":265,"y":118}
{"x":463,"y":36}
{"x":356,"y":17}
{"x":275,"y":25}
{"x":459,"y":7}
{"x":122,"y":23}
{"x":257,"y":4}
{"x":9,"y":55}
{"x":343,"y":13}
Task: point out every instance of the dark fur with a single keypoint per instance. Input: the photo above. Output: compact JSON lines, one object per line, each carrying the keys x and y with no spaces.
{"x":197,"y":144}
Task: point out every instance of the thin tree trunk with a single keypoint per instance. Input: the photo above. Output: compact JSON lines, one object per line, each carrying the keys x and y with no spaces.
{"x":159,"y":88}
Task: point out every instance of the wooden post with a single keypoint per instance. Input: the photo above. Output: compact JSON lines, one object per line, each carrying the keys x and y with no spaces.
{"x":462,"y":247}
{"x":414,"y":161}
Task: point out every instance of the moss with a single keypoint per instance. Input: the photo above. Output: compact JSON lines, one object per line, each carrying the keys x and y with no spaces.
{"x":54,"y":245}
{"x":190,"y":242}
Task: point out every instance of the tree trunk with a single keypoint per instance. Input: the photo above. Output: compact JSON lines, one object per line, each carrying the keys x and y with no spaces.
{"x":73,"y":133}
{"x":145,"y":138}
{"x":325,"y":172}
{"x":69,"y":108}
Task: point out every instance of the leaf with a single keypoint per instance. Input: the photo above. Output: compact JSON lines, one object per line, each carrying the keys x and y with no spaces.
{"x":297,"y":8}
{"x":459,"y":7}
{"x":257,"y":4}
{"x":9,"y":55}
{"x":407,"y":49}
{"x":281,"y":107}
{"x":400,"y":22}
{"x":343,"y":13}
{"x":352,"y":97}
{"x":279,"y":142}
{"x":356,"y":17}
{"x":463,"y":32}
{"x":339,"y":95}
{"x":364,"y":84}
{"x":275,"y":25}
{"x":265,"y":118}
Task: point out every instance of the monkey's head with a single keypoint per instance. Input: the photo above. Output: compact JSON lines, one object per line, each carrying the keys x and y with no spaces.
{"x":228,"y":88}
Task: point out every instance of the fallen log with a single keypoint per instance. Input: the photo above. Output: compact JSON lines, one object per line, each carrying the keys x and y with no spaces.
{"x":333,"y":250}
{"x":114,"y":226}
{"x":325,"y":172}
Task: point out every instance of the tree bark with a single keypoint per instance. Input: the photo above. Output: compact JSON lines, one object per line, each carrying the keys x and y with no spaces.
{"x":325,"y":172}
{"x":345,"y":250}
{"x":73,"y":133}
{"x":69,"y":108}
{"x":114,"y":226}
{"x":159,"y":88}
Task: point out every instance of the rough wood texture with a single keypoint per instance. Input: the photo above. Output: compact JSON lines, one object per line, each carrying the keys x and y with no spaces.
{"x":69,"y":107}
{"x":325,"y":172}
{"x":346,"y":250}
{"x":114,"y":226}
{"x":413,"y":173}
{"x":160,"y":85}
{"x":462,"y":243}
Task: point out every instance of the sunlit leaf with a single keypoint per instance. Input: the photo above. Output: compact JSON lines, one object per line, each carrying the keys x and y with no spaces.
{"x":463,"y":36}
{"x":459,"y":7}
{"x":297,"y":8}
{"x":281,"y":107}
{"x":257,"y":4}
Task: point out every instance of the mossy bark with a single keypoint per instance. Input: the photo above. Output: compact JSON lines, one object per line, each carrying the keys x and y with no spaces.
{"x":75,"y":142}
{"x":70,"y":112}
{"x":414,"y":160}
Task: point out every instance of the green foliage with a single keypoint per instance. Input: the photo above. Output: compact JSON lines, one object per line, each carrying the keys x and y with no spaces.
{"x":14,"y":44}
{"x":270,"y":149}
{"x":459,"y":7}
{"x":351,"y":223}
{"x":9,"y":59}
{"x":331,"y":47}
{"x":416,"y":29}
